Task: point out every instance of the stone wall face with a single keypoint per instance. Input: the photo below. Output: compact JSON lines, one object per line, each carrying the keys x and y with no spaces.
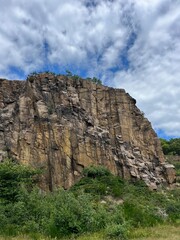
{"x":63,"y":125}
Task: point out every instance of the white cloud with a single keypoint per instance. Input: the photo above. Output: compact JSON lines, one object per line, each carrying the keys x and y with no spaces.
{"x":139,"y":40}
{"x":154,"y":76}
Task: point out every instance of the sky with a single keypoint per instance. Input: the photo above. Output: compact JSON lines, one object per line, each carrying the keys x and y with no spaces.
{"x":130,"y":44}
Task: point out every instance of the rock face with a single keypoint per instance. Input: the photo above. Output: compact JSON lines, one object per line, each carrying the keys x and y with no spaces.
{"x":63,"y":124}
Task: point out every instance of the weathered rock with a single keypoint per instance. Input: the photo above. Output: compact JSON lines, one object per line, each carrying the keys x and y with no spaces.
{"x":63,"y":125}
{"x":169,"y":173}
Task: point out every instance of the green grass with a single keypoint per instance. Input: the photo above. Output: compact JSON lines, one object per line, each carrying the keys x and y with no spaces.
{"x":161,"y":232}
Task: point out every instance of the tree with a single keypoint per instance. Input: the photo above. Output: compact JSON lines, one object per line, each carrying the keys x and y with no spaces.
{"x":175,"y":146}
{"x":171,"y":147}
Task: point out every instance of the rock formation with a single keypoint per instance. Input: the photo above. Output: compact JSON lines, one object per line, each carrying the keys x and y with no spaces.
{"x":63,"y":124}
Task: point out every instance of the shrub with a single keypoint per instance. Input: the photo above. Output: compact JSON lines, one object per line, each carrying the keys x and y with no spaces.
{"x":140,"y":214}
{"x":75,"y":77}
{"x":117,"y":231}
{"x":171,"y":147}
{"x":173,"y":210}
{"x":12,"y":177}
{"x":96,"y":171}
{"x":98,"y":181}
{"x":75,"y":214}
{"x":96,"y":80}
{"x":69,"y":73}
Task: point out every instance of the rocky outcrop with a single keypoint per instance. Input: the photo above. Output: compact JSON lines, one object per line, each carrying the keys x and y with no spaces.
{"x":63,"y":124}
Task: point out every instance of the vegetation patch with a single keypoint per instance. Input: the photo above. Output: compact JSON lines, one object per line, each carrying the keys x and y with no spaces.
{"x":171,"y":147}
{"x":100,"y":205}
{"x":68,"y":74}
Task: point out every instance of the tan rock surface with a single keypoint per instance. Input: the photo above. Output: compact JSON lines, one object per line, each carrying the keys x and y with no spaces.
{"x":63,"y":125}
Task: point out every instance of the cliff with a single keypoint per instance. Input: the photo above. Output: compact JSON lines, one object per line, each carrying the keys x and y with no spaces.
{"x":63,"y":124}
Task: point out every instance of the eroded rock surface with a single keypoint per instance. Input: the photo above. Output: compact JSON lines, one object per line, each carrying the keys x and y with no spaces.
{"x":63,"y":125}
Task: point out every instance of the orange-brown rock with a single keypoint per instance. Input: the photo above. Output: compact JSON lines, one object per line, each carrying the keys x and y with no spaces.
{"x":63,"y":124}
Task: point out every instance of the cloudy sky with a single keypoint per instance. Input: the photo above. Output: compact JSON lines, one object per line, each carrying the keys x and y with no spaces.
{"x":131,"y":44}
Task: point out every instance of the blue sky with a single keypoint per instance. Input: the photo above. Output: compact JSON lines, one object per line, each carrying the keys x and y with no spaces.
{"x":132,"y":44}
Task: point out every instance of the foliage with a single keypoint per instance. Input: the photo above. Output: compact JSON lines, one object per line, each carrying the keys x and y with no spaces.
{"x":76,"y":77}
{"x":99,"y":202}
{"x":12,"y":177}
{"x":96,"y":80}
{"x":171,"y":147}
{"x":100,"y":185}
{"x":96,"y":171}
{"x":117,"y":231}
{"x":33,"y":74}
{"x":74,"y":215}
{"x":68,"y":74}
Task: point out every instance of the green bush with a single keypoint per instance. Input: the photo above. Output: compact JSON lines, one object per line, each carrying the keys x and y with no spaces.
{"x":141,"y":215}
{"x":76,"y":77}
{"x":12,"y":177}
{"x":117,"y":231}
{"x":96,"y":171}
{"x":75,"y":214}
{"x":117,"y":214}
{"x":173,"y":211}
{"x":96,"y":80}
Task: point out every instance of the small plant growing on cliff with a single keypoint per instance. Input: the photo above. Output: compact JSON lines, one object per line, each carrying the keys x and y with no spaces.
{"x":69,"y":73}
{"x":96,"y":80}
{"x":76,"y":77}
{"x":73,"y":76}
{"x":31,"y":76}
